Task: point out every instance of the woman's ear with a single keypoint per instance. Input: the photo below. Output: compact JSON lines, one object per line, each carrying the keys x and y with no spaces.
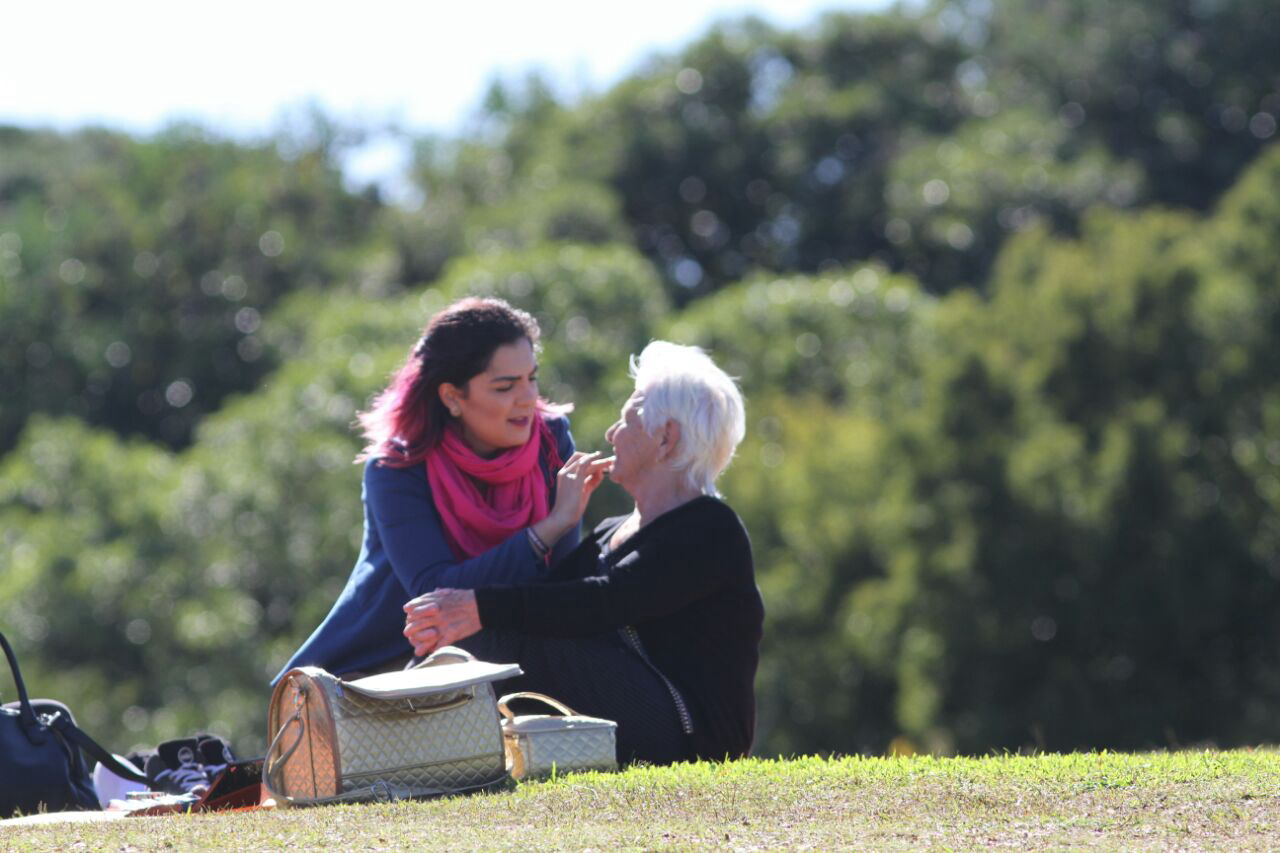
{"x":450,"y":394}
{"x":670,"y":438}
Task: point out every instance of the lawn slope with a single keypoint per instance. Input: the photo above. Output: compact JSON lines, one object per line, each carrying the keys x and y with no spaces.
{"x":1185,"y":800}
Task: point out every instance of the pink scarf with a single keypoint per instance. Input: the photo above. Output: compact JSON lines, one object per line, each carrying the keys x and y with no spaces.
{"x":517,"y":497}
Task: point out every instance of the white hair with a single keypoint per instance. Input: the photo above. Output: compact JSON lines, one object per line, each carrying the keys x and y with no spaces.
{"x":683,"y":384}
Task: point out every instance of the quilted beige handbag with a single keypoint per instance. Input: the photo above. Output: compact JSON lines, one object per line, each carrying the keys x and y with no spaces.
{"x":540,"y":744}
{"x":428,"y":730}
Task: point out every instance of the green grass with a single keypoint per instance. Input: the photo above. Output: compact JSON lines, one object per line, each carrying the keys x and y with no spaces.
{"x":1156,"y":801}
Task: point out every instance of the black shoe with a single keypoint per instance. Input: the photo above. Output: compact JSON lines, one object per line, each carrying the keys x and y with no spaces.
{"x":212,"y":750}
{"x":215,"y":754}
{"x":176,"y":768}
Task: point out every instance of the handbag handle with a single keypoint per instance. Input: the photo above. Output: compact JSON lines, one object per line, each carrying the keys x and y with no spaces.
{"x":30,"y":725}
{"x":274,"y":766}
{"x":61,"y":723}
{"x":540,"y":697}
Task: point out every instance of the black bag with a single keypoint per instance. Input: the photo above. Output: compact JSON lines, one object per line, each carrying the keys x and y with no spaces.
{"x":41,"y":764}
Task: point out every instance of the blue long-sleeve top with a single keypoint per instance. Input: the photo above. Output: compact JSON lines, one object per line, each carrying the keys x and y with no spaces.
{"x":404,"y":554}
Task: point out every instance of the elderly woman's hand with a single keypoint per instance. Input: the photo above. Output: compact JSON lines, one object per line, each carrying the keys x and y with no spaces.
{"x":440,"y":618}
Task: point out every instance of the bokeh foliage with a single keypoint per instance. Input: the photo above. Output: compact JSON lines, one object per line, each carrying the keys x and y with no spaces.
{"x":135,"y":274}
{"x":1000,"y":281}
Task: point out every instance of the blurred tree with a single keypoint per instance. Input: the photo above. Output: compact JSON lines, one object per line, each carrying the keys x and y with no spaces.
{"x":134,"y":274}
{"x":1188,"y":89}
{"x":806,"y":483}
{"x":1092,"y":559}
{"x":917,"y":137}
{"x":953,"y":199}
{"x":555,"y":212}
{"x":852,"y":338}
{"x":105,"y":595}
{"x":756,"y":149}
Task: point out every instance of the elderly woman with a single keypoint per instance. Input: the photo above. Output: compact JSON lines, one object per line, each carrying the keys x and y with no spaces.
{"x":655,"y":620}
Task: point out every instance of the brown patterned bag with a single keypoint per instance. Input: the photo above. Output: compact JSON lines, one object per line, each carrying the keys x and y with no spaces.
{"x":428,"y":730}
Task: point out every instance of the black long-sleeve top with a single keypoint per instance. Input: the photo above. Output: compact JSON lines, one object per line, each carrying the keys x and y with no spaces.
{"x":686,"y":582}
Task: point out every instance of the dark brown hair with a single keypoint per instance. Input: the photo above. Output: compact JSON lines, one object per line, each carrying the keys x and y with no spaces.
{"x":407,"y":419}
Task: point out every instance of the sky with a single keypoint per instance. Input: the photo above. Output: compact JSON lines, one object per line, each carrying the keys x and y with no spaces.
{"x":237,"y":66}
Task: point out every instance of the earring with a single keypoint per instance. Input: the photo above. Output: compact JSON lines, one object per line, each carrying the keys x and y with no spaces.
{"x":455,"y":412}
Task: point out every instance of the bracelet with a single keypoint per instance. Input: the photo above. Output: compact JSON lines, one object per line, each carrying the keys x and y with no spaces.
{"x":539,"y":547}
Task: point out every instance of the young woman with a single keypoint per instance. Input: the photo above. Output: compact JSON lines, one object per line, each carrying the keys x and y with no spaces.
{"x":460,"y":483}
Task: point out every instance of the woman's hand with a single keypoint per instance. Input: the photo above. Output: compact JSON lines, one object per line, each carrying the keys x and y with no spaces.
{"x":440,"y":618}
{"x":577,"y":480}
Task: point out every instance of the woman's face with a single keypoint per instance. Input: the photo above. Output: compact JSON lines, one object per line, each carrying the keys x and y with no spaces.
{"x":496,"y":408}
{"x":634,"y":450}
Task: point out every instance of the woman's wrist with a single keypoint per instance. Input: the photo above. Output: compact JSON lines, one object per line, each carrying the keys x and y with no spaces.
{"x":540,"y":548}
{"x":549,"y":531}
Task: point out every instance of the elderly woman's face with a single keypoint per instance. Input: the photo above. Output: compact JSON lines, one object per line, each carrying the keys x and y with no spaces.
{"x":634,"y":449}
